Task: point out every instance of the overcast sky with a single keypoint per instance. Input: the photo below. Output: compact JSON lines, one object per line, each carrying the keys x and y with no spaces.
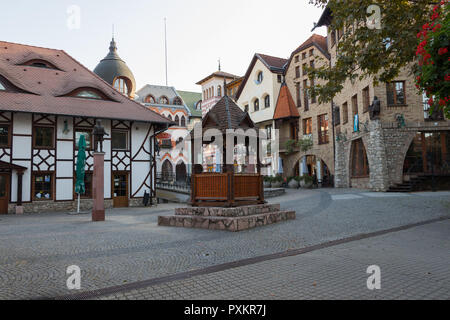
{"x":199,"y":33}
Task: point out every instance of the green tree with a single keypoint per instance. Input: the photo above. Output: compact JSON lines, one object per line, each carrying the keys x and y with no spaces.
{"x":363,"y":51}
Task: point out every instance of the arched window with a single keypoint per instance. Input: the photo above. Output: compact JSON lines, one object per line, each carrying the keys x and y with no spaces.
{"x":177,"y":120}
{"x":167,"y":171}
{"x":120,"y":84}
{"x":163,"y":100}
{"x":256,"y":105}
{"x":212,"y":91}
{"x":260,"y":77}
{"x":177,"y":101}
{"x":198,"y":106}
{"x":183,"y":121}
{"x":149,"y":99}
{"x":267,"y":101}
{"x":170,"y":117}
{"x":360,"y":164}
{"x":219,"y":91}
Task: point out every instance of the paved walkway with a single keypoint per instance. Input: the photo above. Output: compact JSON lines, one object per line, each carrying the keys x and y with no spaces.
{"x":35,"y":250}
{"x":415,"y":264}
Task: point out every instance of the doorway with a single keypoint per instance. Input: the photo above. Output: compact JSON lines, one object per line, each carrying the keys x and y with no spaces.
{"x":120,"y":190}
{"x":4,"y":193}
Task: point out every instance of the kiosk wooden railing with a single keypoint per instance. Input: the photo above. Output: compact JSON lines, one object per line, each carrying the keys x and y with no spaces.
{"x":226,"y":189}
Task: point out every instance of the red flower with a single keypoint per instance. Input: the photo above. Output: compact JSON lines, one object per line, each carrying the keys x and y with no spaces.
{"x":441,"y":102}
{"x":447,"y":77}
{"x":442,"y":51}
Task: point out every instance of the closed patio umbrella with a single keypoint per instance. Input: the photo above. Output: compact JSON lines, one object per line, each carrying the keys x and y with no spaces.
{"x":81,"y":163}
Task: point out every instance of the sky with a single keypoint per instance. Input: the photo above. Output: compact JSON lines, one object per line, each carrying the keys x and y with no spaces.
{"x":199,"y":33}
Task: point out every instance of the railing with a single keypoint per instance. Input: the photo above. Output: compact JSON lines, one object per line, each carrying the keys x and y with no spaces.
{"x":226,"y":189}
{"x":168,"y":181}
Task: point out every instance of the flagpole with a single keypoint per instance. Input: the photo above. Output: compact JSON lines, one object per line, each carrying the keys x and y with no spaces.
{"x":78,"y":211}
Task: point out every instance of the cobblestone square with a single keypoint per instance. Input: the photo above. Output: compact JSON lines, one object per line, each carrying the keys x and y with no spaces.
{"x":129,"y":249}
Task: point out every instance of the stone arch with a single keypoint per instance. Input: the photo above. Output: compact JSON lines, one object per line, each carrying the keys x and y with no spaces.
{"x":354,"y":143}
{"x":397,"y":170}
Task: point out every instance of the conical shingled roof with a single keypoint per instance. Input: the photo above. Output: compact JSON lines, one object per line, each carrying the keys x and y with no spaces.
{"x":227,"y":115}
{"x":112,"y":67}
{"x":286,"y":107}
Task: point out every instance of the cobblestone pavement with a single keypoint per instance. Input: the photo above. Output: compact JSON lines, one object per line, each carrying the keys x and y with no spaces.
{"x":35,"y":250}
{"x":415,"y":264}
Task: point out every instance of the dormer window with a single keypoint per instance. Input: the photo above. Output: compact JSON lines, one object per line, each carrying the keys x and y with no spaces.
{"x":177,"y":101}
{"x":2,"y":87}
{"x":37,"y":63}
{"x":163,"y":100}
{"x":150,"y":99}
{"x":89,"y":94}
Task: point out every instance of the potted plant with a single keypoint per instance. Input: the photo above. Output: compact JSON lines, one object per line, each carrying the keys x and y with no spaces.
{"x":293,"y":183}
{"x":267,"y":181}
{"x":306,"y":181}
{"x":277,"y":181}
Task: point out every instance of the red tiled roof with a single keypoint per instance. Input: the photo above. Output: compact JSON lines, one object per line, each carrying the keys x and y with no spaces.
{"x":316,"y":39}
{"x":43,"y":90}
{"x":274,"y":64}
{"x":286,"y":107}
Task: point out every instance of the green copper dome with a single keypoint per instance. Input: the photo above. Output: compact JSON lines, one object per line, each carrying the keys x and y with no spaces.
{"x":112,"y":68}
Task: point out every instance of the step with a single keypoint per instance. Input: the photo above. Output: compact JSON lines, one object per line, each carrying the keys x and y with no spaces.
{"x":233,"y":224}
{"x":227,"y":212}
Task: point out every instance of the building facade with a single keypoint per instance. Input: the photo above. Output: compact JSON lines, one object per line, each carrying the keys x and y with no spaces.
{"x":257,"y":95}
{"x":395,"y":146}
{"x":47,"y":101}
{"x":315,"y":121}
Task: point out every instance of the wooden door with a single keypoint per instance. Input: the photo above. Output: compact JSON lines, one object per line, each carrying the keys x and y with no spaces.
{"x":4,"y":193}
{"x":120,"y":190}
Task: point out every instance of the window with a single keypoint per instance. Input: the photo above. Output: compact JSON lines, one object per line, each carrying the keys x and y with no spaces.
{"x":313,"y":98}
{"x":163,"y":100}
{"x":89,"y":94}
{"x":177,"y":120}
{"x":345,"y":113}
{"x":43,"y":186}
{"x":280,"y":78}
{"x":296,"y":58}
{"x":177,"y":101}
{"x":307,"y":126}
{"x":311,"y":64}
{"x":396,"y":93}
{"x":360,"y":166}
{"x":269,"y":132}
{"x":305,"y":94}
{"x":87,"y":135}
{"x":267,"y":101}
{"x":337,"y":115}
{"x":121,"y":85}
{"x":2,"y":87}
{"x":4,"y":136}
{"x":150,"y":99}
{"x":298,"y":91}
{"x":119,"y":140}
{"x":294,"y":131}
{"x":333,"y":38}
{"x":322,"y":122}
{"x":355,"y":105}
{"x":198,"y":106}
{"x":311,"y":53}
{"x":246,"y":108}
{"x":256,"y":105}
{"x":260,"y":77}
{"x":304,"y":69}
{"x":297,"y":72}
{"x":43,"y":137}
{"x":303,"y":55}
{"x":219,"y":91}
{"x":183,"y":121}
{"x":366,"y":99}
{"x":40,"y":64}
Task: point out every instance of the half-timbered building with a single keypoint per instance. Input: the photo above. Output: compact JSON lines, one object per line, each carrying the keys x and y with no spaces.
{"x":47,"y":101}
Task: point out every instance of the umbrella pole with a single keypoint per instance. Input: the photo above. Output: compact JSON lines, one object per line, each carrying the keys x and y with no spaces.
{"x":78,"y":203}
